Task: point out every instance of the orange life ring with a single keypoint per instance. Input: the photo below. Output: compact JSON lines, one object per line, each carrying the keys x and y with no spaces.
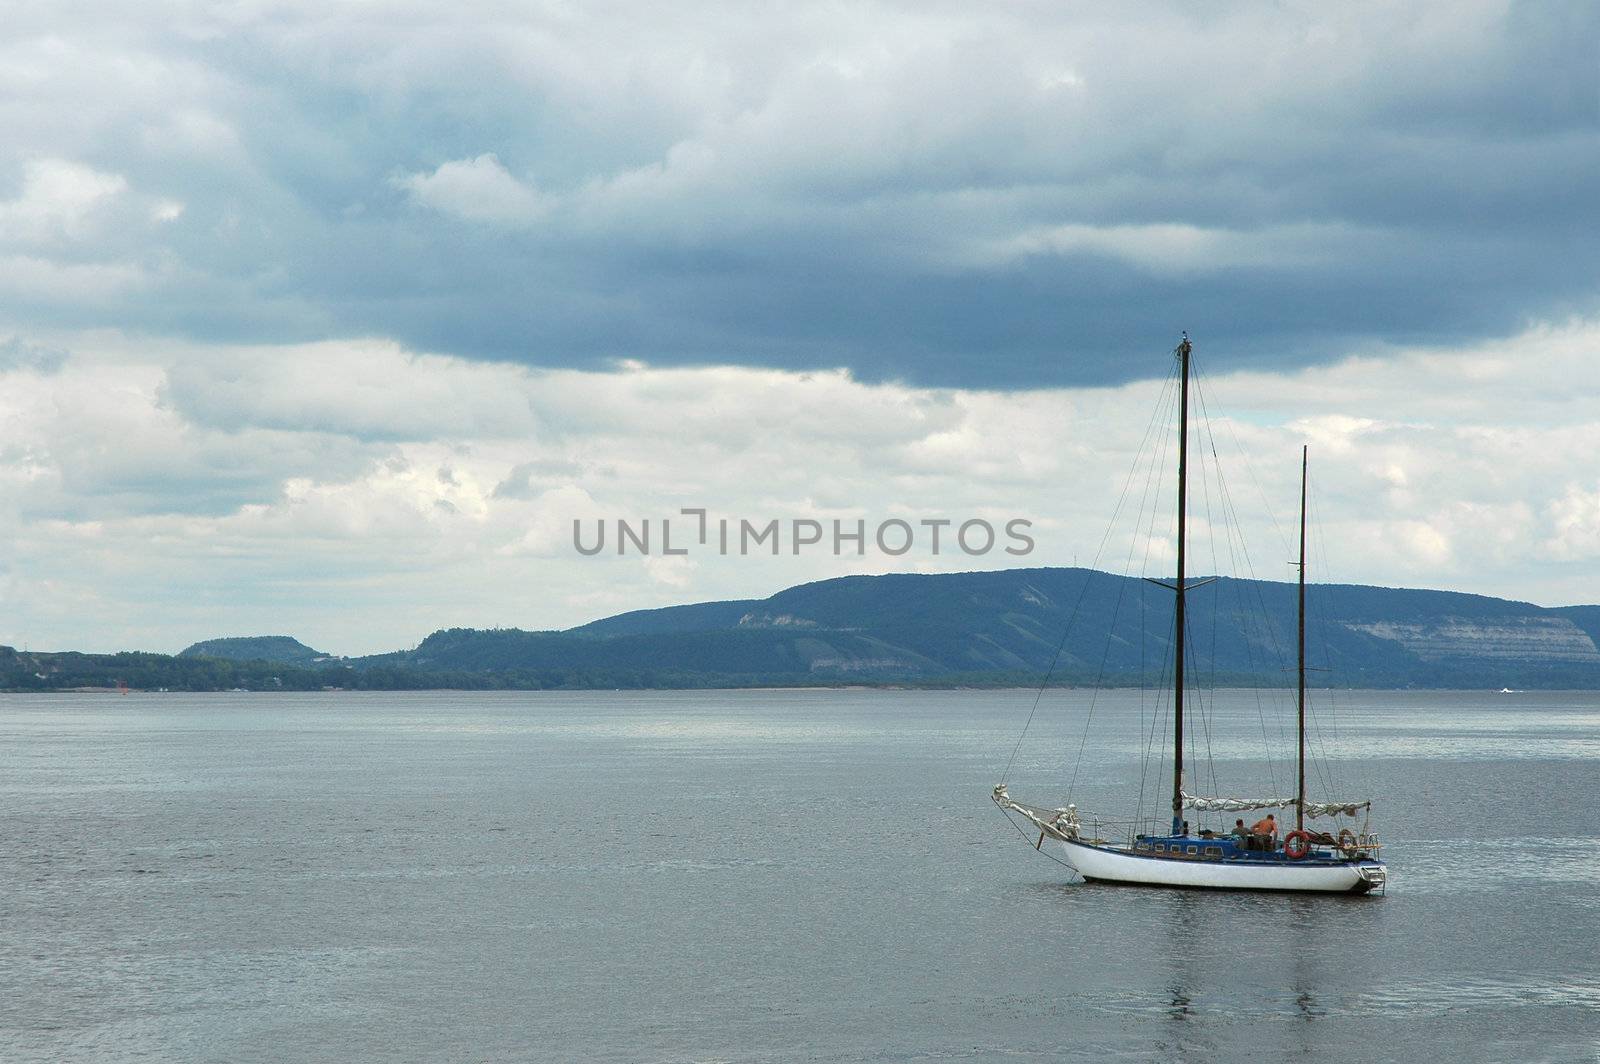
{"x":1296,"y":844}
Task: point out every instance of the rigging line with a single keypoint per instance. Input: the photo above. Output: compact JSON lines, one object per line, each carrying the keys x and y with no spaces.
{"x":1266,"y":503}
{"x":1223,"y":487}
{"x":1149,"y":504}
{"x":1231,"y":518}
{"x":1234,"y":592}
{"x":1319,"y":546}
{"x":1158,"y":715}
{"x":1317,"y":753}
{"x":1244,"y":548}
{"x":1094,"y":696}
{"x":1105,"y":656}
{"x":1144,"y":685}
{"x":1334,"y":696}
{"x":1144,"y":527}
{"x":1205,"y":433}
{"x":1205,"y":491}
{"x":1203,"y":708}
{"x":1317,"y":750}
{"x":1317,"y":756}
{"x":1156,"y":487}
{"x":1202,"y":725}
{"x":1158,"y":729}
{"x":1263,"y":622}
{"x":1167,"y":703}
{"x":1258,"y":589}
{"x":1199,"y":724}
{"x":1254,"y":665}
{"x":1249,"y":621}
{"x":1227,"y":493}
{"x":1145,"y":707}
{"x":1272,"y":635}
{"x":1025,"y":837}
{"x":1082,"y":591}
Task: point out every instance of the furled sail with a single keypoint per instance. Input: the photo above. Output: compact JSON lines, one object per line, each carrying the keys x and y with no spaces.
{"x":1231,"y":805}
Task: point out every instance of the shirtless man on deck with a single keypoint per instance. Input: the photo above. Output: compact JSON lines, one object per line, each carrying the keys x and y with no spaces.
{"x":1264,"y":833}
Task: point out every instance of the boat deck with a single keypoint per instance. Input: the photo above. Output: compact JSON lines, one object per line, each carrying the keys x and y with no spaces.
{"x":1228,"y":848}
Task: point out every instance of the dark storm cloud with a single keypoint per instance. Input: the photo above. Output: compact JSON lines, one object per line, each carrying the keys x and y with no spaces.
{"x":949,"y":195}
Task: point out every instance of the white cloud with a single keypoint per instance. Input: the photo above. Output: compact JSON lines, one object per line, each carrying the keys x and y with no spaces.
{"x":59,"y":199}
{"x":479,"y":189}
{"x":359,"y":495}
{"x":1574,"y":524}
{"x":548,"y":519}
{"x":1175,"y":248}
{"x":674,"y":572}
{"x":368,"y":389}
{"x":47,"y":281}
{"x":1422,"y":541}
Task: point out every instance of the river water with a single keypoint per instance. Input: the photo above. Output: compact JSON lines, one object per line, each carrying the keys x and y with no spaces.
{"x":764,"y":876}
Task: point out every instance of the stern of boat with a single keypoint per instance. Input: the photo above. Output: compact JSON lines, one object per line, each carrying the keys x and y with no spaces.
{"x":1374,"y":876}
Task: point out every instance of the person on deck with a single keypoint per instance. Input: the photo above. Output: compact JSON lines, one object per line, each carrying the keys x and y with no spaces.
{"x":1240,"y":832}
{"x":1265,"y":832}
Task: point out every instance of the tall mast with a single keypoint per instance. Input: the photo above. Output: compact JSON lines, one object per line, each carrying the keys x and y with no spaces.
{"x":1178,"y":618}
{"x":1300,"y":792}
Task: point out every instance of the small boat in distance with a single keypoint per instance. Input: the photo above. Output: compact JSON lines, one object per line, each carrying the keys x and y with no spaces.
{"x":1310,"y":861}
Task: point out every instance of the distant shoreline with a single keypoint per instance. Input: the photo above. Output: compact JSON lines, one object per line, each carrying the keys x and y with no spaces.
{"x":771,"y":688}
{"x":1057,"y":627}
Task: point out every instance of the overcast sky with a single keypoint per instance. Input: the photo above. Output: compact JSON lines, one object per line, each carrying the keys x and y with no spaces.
{"x":328,"y":320}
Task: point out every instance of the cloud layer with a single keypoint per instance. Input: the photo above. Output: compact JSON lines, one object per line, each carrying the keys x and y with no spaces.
{"x":359,"y":495}
{"x":946,"y":194}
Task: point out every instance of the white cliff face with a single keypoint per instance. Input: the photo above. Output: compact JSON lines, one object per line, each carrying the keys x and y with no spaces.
{"x":782,"y":620}
{"x":1542,"y":639}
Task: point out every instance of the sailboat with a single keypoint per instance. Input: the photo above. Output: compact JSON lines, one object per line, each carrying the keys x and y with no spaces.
{"x":1311,"y":861}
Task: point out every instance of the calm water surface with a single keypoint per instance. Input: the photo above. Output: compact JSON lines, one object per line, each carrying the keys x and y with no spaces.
{"x":763,"y":876}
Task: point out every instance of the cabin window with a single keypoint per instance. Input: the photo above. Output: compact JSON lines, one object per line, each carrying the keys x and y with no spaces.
{"x":1161,"y":848}
{"x":1194,"y":849}
{"x":1213,"y":851}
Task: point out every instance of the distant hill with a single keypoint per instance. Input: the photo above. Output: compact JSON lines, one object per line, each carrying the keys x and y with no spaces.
{"x":1019,"y":626}
{"x":1007,"y":627}
{"x":278,"y":648}
{"x":700,"y":617}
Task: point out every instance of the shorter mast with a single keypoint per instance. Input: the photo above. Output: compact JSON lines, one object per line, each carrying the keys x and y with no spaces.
{"x":1300,"y":792}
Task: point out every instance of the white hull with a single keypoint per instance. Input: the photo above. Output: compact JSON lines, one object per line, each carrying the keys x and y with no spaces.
{"x":1115,"y":866}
